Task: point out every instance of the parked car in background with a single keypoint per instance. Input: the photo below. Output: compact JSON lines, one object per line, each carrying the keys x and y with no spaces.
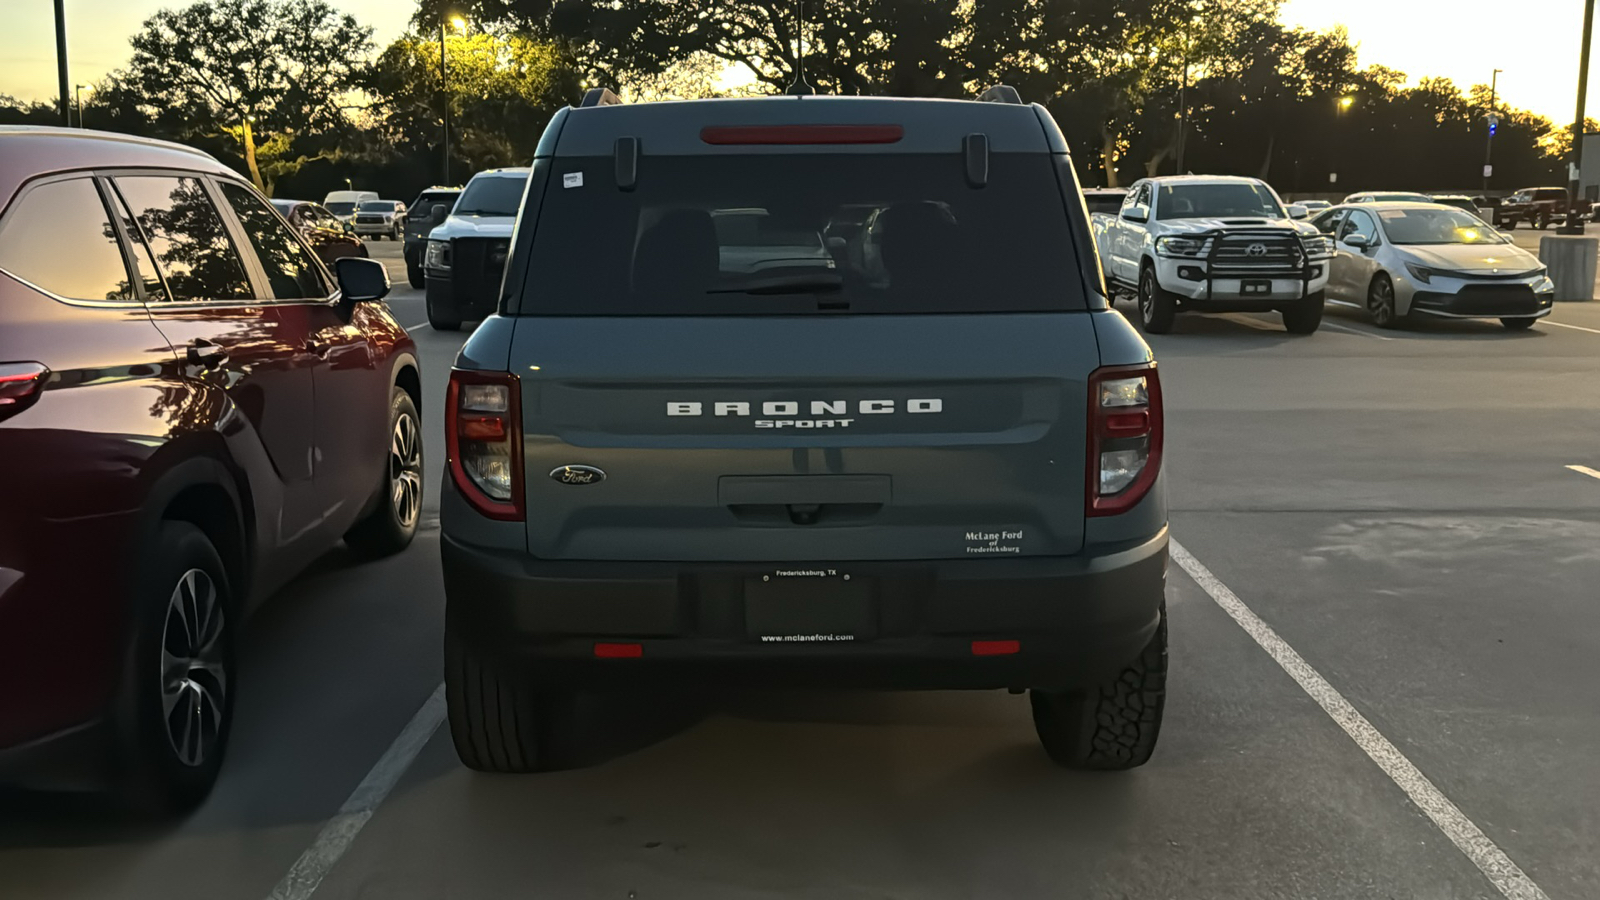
{"x":1459,"y":201}
{"x":380,"y":219}
{"x":1388,"y":197}
{"x":1213,"y":243}
{"x":1536,"y":206}
{"x":421,"y":219}
{"x":1104,"y":200}
{"x":192,"y":409}
{"x":465,"y":258}
{"x":1400,"y":261}
{"x":1313,"y":207}
{"x":329,"y":237}
{"x":343,"y":203}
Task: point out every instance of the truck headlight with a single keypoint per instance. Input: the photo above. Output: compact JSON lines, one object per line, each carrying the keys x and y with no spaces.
{"x":1317,"y":246}
{"x":437,"y":256}
{"x":1187,"y":247}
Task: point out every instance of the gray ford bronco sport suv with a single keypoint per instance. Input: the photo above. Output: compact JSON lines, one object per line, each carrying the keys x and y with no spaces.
{"x":804,"y":391}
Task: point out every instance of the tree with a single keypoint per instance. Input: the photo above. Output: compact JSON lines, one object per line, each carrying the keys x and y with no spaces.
{"x":502,"y":90}
{"x":251,"y":69}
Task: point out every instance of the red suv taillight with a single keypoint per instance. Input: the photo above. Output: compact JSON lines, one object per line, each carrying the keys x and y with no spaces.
{"x":20,"y":385}
{"x":483,"y":436}
{"x":1124,"y":437}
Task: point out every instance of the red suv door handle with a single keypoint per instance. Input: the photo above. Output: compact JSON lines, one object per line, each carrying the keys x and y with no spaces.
{"x":204,"y":353}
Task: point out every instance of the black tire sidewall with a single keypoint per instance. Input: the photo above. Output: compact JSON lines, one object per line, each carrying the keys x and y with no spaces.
{"x":148,"y":773}
{"x":381,"y":532}
{"x":1394,"y":313}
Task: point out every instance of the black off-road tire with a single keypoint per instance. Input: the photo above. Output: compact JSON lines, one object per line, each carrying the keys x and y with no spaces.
{"x":414,"y":277}
{"x":442,"y":319}
{"x":1518,"y":324}
{"x":1304,"y":317}
{"x":499,"y":721}
{"x":1113,"y":726}
{"x":392,"y":523}
{"x":1157,"y":306}
{"x":150,"y":776}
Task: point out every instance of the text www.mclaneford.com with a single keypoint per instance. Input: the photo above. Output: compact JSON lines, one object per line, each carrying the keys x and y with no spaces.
{"x":806,"y":638}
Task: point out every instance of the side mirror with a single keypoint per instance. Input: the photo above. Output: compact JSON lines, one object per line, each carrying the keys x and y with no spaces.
{"x":1296,"y":211}
{"x":1358,"y":241}
{"x":360,"y":281}
{"x":438,"y":213}
{"x":837,"y":243}
{"x":1136,"y":215}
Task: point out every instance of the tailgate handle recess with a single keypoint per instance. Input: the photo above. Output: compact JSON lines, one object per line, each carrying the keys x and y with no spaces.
{"x":803,"y":499}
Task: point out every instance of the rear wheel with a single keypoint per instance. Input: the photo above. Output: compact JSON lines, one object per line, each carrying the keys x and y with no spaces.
{"x":440,"y":319}
{"x":498,"y":721}
{"x":1157,"y":307}
{"x":175,"y":703}
{"x":1113,"y":725}
{"x":392,"y":524}
{"x":414,"y":277}
{"x":1518,"y":324}
{"x":1304,"y":317}
{"x":1380,"y":302}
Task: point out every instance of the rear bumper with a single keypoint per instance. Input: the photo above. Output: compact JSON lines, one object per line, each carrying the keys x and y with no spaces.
{"x":1076,"y":620}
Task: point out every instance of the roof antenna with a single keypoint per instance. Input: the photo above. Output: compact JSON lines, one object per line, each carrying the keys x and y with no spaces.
{"x":800,"y":88}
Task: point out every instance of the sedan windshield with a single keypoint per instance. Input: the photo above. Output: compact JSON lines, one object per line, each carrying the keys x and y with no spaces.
{"x":1191,"y":201}
{"x":1436,"y":226}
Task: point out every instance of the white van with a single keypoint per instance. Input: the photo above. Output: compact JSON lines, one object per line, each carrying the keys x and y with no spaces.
{"x":343,"y":203}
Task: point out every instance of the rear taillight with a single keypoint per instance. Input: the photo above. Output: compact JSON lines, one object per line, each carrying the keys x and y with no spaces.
{"x":483,"y":435}
{"x":20,"y":385}
{"x":1124,"y":437}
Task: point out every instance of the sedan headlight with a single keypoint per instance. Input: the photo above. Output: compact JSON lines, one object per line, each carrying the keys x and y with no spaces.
{"x":1420,"y":273}
{"x":437,"y":255}
{"x":1187,"y":247}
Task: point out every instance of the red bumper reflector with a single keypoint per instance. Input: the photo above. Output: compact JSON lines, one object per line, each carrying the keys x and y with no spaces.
{"x":618,"y":651}
{"x":995,"y":648}
{"x":802,"y":134}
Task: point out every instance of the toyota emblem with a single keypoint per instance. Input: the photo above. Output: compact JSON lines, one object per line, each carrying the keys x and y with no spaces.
{"x":1256,"y":249}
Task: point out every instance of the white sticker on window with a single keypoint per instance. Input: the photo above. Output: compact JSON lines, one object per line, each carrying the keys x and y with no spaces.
{"x":572,"y":180}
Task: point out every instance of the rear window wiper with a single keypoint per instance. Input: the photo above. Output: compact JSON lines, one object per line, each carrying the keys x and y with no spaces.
{"x":785,"y":284}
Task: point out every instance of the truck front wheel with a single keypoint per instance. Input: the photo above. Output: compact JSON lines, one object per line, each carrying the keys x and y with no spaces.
{"x":1157,"y":307}
{"x":1306,"y":316}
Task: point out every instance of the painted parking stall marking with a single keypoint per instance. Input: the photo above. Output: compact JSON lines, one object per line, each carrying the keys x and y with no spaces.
{"x":1585,"y":470}
{"x":1506,"y":875}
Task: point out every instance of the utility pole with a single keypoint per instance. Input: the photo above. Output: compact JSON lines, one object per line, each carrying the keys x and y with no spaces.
{"x":61,"y":62}
{"x":1183,"y":105}
{"x":1493,"y":122}
{"x":1574,"y":221}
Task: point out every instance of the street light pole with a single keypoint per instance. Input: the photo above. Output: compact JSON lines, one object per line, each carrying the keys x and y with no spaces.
{"x":77,"y":97}
{"x":1574,"y":222}
{"x":1488,"y":147}
{"x":1183,"y":106}
{"x":444,"y":90}
{"x":61,"y":62}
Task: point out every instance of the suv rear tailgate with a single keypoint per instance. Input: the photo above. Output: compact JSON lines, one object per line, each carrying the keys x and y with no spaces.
{"x":838,"y":438}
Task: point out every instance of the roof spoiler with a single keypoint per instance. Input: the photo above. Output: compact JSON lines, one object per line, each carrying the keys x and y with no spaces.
{"x":1001,"y":93}
{"x":599,"y":97}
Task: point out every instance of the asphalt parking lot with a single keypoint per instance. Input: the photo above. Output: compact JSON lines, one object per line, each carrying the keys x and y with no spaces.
{"x":1399,"y":508}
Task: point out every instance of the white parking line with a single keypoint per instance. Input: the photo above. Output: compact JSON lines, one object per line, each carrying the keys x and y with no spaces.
{"x":1337,"y":326}
{"x":417,"y":327}
{"x":1511,"y":881}
{"x":1585,"y":470}
{"x":1573,"y":327}
{"x":340,"y":831}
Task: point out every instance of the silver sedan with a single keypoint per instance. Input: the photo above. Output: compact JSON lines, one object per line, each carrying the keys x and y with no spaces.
{"x":1401,"y":261}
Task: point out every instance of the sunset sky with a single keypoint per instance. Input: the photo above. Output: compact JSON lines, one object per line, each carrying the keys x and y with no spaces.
{"x":1463,"y":40}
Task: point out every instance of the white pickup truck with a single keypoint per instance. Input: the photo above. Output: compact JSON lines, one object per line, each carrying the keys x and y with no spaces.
{"x":1192,"y":243}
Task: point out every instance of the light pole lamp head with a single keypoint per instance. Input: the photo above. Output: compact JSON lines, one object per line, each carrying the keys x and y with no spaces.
{"x":1346,"y":101}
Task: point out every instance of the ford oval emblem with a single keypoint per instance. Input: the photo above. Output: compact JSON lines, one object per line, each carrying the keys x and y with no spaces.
{"x":577,"y":475}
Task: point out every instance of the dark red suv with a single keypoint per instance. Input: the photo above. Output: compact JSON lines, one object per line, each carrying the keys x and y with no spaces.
{"x":191,"y":410}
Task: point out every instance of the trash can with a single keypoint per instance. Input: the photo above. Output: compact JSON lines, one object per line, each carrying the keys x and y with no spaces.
{"x":1572,"y":263}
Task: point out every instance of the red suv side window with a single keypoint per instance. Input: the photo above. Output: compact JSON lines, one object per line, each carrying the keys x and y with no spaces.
{"x":59,"y":237}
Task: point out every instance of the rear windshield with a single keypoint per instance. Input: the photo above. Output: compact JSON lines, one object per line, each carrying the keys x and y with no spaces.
{"x":1193,"y":201}
{"x":426,"y":200}
{"x":788,"y":234}
{"x":340,"y":208}
{"x":1104,"y":203}
{"x":496,"y":196}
